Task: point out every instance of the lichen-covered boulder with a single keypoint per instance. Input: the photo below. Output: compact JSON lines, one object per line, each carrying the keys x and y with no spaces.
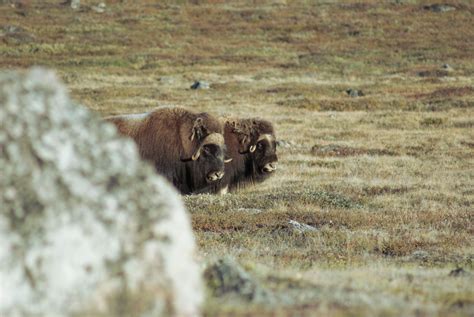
{"x":86,"y":228}
{"x":226,"y":277}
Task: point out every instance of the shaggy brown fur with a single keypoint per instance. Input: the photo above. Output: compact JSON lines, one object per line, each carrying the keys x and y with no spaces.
{"x":251,"y":143}
{"x":186,"y":147}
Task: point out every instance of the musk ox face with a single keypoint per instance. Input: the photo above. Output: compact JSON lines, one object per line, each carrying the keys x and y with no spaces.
{"x":257,"y":144}
{"x":208,"y":158}
{"x":265,"y":154}
{"x":212,"y":164}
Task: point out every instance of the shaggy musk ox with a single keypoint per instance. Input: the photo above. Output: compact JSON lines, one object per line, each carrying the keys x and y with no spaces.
{"x":187,"y":148}
{"x":251,"y":144}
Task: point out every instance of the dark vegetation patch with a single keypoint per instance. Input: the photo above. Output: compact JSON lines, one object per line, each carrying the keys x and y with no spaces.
{"x":347,"y":104}
{"x":437,"y":258}
{"x":468,"y":144}
{"x":385,"y":190}
{"x":430,"y":122}
{"x":111,"y":62}
{"x":463,"y":124}
{"x":125,"y":92}
{"x":298,"y":102}
{"x":335,"y":150}
{"x":277,"y":219}
{"x":418,"y":150}
{"x":284,"y":196}
{"x":324,"y":164}
{"x":446,"y":92}
{"x":433,"y":73}
{"x":249,"y":224}
{"x":446,"y":104}
{"x":311,"y":196}
{"x":402,"y":244}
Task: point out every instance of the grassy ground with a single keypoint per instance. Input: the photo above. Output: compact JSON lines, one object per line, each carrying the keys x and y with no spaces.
{"x":385,"y":178}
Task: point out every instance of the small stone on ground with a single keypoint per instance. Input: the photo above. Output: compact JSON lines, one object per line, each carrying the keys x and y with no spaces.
{"x":301,"y":227}
{"x":200,"y":85}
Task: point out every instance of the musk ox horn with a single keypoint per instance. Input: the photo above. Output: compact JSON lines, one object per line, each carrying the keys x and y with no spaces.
{"x":196,"y":155}
{"x":253,"y":147}
{"x":213,"y":138}
{"x":228,"y":160}
{"x":250,"y":150}
{"x":265,"y":137}
{"x":193,"y":157}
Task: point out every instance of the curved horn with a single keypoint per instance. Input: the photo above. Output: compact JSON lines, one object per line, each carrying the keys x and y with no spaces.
{"x":213,"y":138}
{"x":267,"y":136}
{"x":193,"y":157}
{"x":228,"y":160}
{"x":196,"y":155}
{"x":250,"y":150}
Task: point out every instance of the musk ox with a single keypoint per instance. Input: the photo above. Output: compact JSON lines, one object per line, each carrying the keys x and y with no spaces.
{"x":251,"y":144}
{"x":186,"y":147}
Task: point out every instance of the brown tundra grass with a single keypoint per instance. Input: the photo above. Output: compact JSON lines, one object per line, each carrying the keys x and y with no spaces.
{"x":385,"y":178}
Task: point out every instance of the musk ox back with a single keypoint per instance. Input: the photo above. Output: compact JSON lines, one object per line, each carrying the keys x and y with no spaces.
{"x":186,"y":147}
{"x":251,"y":144}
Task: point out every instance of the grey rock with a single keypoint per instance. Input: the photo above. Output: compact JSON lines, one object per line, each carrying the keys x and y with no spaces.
{"x":226,"y":277}
{"x":301,"y":227}
{"x":286,"y":144}
{"x":420,"y":255}
{"x":16,"y":35}
{"x":200,"y":85}
{"x":100,"y":8}
{"x":11,"y":29}
{"x":354,"y":93}
{"x":458,"y":272}
{"x":74,"y":4}
{"x":86,"y":227}
{"x":440,"y":8}
{"x":447,"y":67}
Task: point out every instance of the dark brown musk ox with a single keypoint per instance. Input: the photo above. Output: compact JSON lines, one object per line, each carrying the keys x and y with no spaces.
{"x":186,"y":147}
{"x":251,"y":144}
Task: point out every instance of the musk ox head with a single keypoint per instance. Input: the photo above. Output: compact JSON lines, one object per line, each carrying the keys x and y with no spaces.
{"x":204,"y":148}
{"x":257,"y":142}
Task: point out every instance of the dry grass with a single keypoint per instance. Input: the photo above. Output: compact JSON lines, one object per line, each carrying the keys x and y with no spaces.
{"x":386,"y":178}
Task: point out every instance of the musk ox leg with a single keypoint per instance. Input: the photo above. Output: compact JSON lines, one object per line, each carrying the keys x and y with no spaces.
{"x":223,"y":191}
